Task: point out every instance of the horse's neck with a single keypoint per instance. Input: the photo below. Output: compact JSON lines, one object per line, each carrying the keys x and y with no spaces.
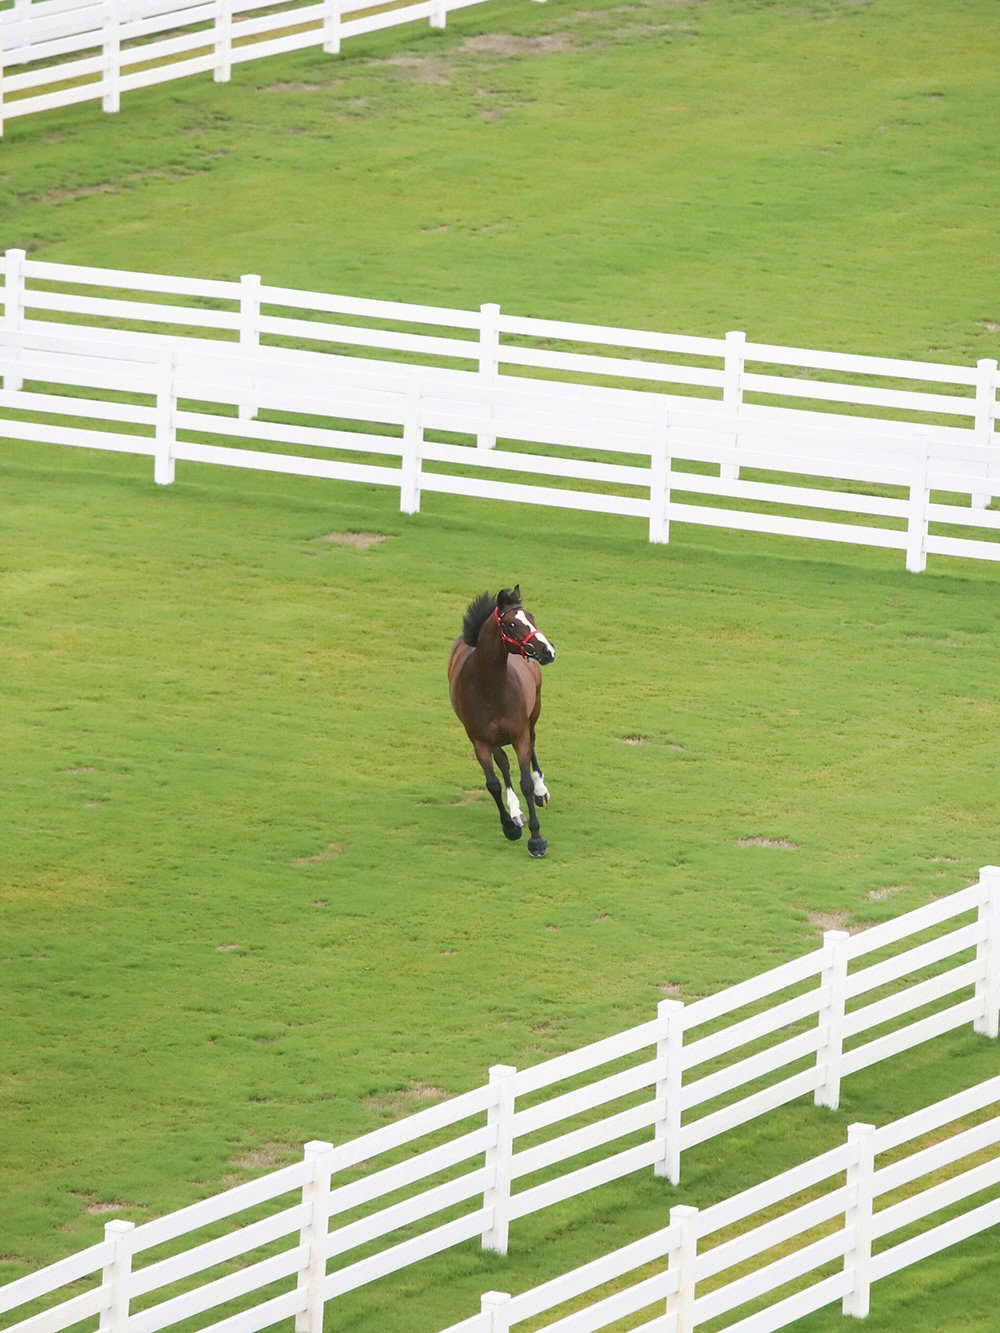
{"x":490,"y":655}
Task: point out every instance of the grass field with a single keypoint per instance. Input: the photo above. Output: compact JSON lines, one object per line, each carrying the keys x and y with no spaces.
{"x":251,"y":892}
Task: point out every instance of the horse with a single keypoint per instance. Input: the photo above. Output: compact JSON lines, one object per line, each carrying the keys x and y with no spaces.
{"x":495,"y":682}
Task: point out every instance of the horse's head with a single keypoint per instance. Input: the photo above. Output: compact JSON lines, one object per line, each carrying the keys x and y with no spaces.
{"x":518,"y":630}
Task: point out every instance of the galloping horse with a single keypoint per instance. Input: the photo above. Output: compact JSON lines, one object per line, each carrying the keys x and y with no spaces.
{"x":496,"y":690}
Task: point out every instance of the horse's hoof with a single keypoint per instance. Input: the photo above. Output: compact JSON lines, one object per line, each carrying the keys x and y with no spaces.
{"x":511,"y":832}
{"x":537,"y":846}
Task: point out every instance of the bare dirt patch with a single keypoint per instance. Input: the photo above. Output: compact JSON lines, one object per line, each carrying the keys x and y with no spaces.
{"x":228,"y":948}
{"x":879,"y":895}
{"x":265,"y":1156}
{"x":469,"y":796}
{"x":506,"y":44}
{"x":781,"y":844}
{"x":97,"y":1206}
{"x":832,"y":921}
{"x":670,"y":988}
{"x":421,"y":69}
{"x":404,"y":1100}
{"x":635,"y":740}
{"x":327,"y":854}
{"x":357,"y":541}
{"x":84,"y":768}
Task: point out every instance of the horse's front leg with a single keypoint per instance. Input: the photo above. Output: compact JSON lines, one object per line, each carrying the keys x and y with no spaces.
{"x":510,"y":796}
{"x":484,"y":753}
{"x":537,"y":776}
{"x":537,"y":845}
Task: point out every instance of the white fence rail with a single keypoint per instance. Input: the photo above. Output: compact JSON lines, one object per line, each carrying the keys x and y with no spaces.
{"x":854,"y":1205}
{"x":679,"y":430}
{"x":54,"y":53}
{"x":471,"y":1166}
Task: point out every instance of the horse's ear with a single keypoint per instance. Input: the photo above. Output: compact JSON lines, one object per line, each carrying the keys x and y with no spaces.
{"x":517,"y":592}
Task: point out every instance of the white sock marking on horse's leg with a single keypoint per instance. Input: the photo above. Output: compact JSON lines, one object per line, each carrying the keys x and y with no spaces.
{"x":514,"y":807}
{"x":538,"y":782}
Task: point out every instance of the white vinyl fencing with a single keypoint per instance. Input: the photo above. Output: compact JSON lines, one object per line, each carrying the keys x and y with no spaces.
{"x":54,"y":53}
{"x":471,"y":1166}
{"x":858,"y":1222}
{"x":665,"y":428}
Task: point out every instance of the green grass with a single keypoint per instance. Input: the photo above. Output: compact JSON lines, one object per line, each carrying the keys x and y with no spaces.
{"x":204,"y":699}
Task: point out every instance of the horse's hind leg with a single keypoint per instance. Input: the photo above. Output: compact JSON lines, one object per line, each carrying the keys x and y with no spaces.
{"x":537,"y":845}
{"x":513,"y":806}
{"x":484,"y":753}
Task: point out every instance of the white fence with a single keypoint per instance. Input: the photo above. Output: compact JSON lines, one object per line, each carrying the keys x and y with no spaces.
{"x":665,"y":428}
{"x":54,"y":53}
{"x":783,"y":1250}
{"x":471,"y":1166}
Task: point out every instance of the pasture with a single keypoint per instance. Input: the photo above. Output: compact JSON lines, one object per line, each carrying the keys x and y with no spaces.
{"x":253,"y":889}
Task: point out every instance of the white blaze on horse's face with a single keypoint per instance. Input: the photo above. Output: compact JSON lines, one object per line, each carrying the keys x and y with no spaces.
{"x":538,"y":642}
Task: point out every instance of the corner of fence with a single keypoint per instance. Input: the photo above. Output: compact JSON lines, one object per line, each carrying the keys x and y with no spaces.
{"x":669,"y":1078}
{"x":498,"y":1158}
{"x":987,"y":995}
{"x":833,"y":994}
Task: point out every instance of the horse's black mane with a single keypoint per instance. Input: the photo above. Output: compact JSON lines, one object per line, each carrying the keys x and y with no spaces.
{"x":476,"y":615}
{"x":479,"y":611}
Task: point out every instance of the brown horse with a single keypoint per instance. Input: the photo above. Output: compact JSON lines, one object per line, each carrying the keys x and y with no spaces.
{"x":496,"y":690}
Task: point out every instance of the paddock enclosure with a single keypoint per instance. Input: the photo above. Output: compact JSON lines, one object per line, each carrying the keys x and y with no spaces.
{"x":681,"y":316}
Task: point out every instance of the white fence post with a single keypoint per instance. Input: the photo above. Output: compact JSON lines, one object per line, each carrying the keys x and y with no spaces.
{"x":858,"y":1220}
{"x":13,"y":318}
{"x":681,"y":1260}
{"x":833,"y":986}
{"x":223,"y":45}
{"x":732,"y":394}
{"x":489,"y":366}
{"x":439,"y":14}
{"x":315,"y":1234}
{"x":987,"y":1020}
{"x":669,"y":1077}
{"x":116,"y":1276}
{"x":985,"y":432}
{"x":249,"y":332}
{"x":332,"y":16}
{"x":111,"y":52}
{"x":166,"y":431}
{"x":496,"y":1304}
{"x":499,"y":1153}
{"x":659,"y":492}
{"x":413,"y":438}
{"x":916,"y":520}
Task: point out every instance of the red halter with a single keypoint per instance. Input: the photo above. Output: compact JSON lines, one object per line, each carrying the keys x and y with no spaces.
{"x":513,"y":645}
